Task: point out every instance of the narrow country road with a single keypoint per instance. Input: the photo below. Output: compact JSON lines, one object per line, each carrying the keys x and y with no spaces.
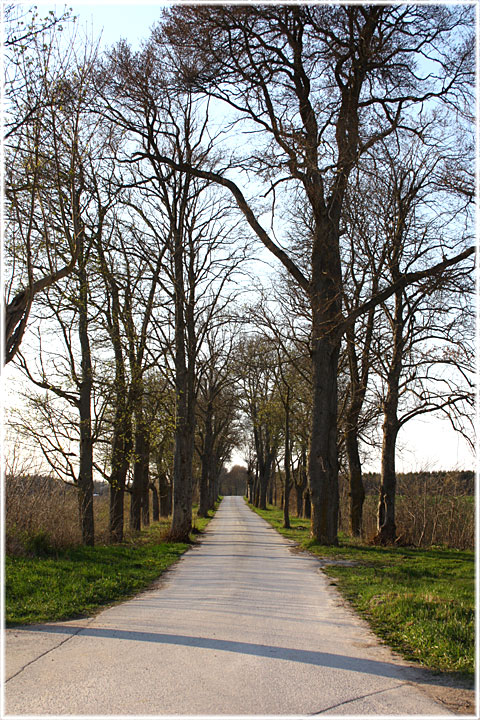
{"x":240,"y":626}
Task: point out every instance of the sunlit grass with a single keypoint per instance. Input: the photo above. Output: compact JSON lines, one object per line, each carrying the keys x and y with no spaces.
{"x":420,"y":601}
{"x":77,"y":581}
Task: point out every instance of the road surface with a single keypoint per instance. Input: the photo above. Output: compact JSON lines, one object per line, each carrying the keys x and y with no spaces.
{"x":240,"y":626}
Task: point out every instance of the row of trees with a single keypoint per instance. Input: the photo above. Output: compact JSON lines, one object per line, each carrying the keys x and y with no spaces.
{"x":128,"y":345}
{"x":131,"y":198}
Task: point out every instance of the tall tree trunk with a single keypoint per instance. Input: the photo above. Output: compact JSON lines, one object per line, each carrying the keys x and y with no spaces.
{"x":286,"y":496}
{"x":206,"y":475}
{"x":85,"y":476}
{"x":386,"y":527}
{"x":307,"y":505}
{"x":138,"y":467}
{"x":182,"y":484}
{"x":155,"y":503}
{"x":122,"y":421}
{"x":165,"y":493}
{"x":270,"y":486}
{"x":121,"y":449}
{"x":358,"y":386}
{"x":301,"y":483}
{"x":263,"y":485}
{"x":146,"y":479}
{"x":184,"y":404}
{"x":356,"y":489}
{"x":323,"y":461}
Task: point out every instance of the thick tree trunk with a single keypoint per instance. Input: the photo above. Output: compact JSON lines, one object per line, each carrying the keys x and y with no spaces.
{"x":263,"y":485}
{"x":182,"y":485}
{"x":323,"y":461}
{"x":185,"y":355}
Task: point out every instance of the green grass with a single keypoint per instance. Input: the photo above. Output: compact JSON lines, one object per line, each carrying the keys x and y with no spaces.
{"x":78,"y":581}
{"x":421,"y":602}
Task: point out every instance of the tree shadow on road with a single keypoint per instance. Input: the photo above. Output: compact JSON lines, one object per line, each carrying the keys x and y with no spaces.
{"x":309,"y":657}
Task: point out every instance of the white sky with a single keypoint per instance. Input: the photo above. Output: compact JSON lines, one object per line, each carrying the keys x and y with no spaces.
{"x":423,"y":444}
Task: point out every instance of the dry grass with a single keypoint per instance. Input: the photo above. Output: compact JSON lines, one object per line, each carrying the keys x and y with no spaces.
{"x":431,"y":512}
{"x":43,"y":513}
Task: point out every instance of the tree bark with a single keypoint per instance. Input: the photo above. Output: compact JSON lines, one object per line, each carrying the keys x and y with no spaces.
{"x":386,"y":527}
{"x":323,"y":461}
{"x":145,"y":461}
{"x":356,"y":489}
{"x":300,"y":487}
{"x":286,"y":494}
{"x":165,"y":493}
{"x":138,"y":468}
{"x":85,"y":476}
{"x":155,"y":503}
{"x":307,"y":506}
{"x":184,"y":403}
{"x":206,"y":476}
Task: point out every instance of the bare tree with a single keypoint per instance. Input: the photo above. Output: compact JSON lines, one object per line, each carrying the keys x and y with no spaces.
{"x":422,"y":320}
{"x":48,"y":91}
{"x":325,"y":85}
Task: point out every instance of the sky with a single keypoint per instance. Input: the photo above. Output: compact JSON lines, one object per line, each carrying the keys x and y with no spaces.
{"x":423,"y":444}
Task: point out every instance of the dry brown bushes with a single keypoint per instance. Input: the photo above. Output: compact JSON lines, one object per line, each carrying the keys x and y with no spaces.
{"x":41,"y":515}
{"x":432,"y":508}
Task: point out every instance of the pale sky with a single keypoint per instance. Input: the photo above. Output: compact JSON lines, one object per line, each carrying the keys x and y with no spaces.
{"x":423,"y":444}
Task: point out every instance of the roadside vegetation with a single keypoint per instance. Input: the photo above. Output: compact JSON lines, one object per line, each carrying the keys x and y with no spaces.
{"x":50,"y":583}
{"x":420,"y":601}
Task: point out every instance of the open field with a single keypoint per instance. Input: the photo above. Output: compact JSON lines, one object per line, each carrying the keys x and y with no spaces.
{"x":419,"y":601}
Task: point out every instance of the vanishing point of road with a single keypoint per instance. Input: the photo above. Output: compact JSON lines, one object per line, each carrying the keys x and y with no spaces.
{"x":241,"y":625}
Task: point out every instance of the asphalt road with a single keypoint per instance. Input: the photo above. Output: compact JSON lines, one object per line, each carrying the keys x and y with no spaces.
{"x":240,"y":626}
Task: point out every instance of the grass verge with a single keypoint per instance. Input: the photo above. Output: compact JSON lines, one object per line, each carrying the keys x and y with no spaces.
{"x":421,"y":602}
{"x":78,"y":581}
